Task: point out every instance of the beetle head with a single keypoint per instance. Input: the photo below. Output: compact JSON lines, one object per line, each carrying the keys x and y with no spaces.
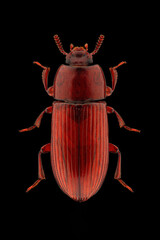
{"x":79,"y":56}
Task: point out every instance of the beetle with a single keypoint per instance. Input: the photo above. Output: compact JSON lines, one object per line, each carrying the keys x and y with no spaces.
{"x":79,"y":145}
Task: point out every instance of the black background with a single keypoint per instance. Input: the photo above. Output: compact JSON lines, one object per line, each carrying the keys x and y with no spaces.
{"x":46,"y":209}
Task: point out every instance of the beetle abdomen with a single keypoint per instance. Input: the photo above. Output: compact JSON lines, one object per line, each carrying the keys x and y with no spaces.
{"x":79,"y":147}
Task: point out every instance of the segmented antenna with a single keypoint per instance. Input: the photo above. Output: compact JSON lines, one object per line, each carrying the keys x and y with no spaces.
{"x":59,"y":44}
{"x":98,"y":45}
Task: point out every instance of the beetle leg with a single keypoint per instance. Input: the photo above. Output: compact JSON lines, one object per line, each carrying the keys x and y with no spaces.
{"x":45,"y":149}
{"x":114,"y":75}
{"x":45,"y":74}
{"x":38,"y":120}
{"x":120,"y":120}
{"x":115,"y":149}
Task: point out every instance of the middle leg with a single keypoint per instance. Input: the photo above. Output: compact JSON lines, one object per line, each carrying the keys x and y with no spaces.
{"x":38,"y":120}
{"x":120,"y":120}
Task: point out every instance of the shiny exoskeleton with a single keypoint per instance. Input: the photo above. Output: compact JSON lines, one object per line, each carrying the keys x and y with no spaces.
{"x":79,"y":145}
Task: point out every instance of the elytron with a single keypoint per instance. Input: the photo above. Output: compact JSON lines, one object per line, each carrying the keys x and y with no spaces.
{"x":79,"y":146}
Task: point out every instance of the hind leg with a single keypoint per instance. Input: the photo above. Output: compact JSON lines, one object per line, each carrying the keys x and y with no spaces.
{"x":45,"y":149}
{"x":115,"y":149}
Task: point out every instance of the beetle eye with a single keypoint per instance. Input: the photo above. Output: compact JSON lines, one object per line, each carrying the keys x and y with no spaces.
{"x":71,"y":46}
{"x":86,"y":46}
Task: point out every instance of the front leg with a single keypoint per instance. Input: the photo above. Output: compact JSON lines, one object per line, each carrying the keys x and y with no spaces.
{"x":114,"y":75}
{"x":120,"y":120}
{"x":45,"y":74}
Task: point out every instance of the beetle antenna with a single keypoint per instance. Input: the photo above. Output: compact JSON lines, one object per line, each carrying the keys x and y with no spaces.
{"x":59,"y":44}
{"x":98,"y":45}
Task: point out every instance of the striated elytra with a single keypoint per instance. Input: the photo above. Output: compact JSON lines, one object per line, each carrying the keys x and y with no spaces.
{"x":79,"y":146}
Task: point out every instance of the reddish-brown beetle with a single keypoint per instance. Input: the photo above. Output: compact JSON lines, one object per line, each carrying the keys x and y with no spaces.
{"x":79,"y":131}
